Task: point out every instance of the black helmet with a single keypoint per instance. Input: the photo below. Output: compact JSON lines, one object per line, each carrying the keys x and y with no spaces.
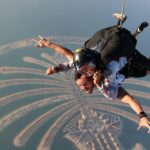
{"x":82,"y":56}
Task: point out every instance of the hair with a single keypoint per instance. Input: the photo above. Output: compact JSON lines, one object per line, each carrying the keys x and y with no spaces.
{"x":77,"y":75}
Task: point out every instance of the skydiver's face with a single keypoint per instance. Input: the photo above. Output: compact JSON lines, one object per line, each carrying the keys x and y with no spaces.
{"x":88,"y":69}
{"x":85,"y":84}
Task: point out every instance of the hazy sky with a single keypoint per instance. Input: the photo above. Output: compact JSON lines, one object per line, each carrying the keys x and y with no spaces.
{"x":29,"y":18}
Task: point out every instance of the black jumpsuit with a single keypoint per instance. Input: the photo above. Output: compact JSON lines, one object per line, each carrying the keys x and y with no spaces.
{"x":115,"y":42}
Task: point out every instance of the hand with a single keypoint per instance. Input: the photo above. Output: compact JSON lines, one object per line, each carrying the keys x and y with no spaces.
{"x":49,"y":71}
{"x":144,"y":123}
{"x":97,"y":77}
{"x":42,"y":42}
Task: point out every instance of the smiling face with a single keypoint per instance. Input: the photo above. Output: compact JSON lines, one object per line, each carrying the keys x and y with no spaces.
{"x":85,"y":84}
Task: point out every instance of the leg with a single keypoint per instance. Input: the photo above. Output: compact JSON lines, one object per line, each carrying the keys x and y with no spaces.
{"x":120,"y":18}
{"x":141,"y":61}
{"x":140,"y":28}
{"x":139,"y":66}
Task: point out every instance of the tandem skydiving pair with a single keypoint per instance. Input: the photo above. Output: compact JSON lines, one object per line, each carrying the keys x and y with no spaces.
{"x":105,"y":61}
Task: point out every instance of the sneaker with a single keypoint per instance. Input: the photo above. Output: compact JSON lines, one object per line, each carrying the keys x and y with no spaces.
{"x":142,"y":26}
{"x":119,"y":17}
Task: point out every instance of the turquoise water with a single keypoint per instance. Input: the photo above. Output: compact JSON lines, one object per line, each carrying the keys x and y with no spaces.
{"x":22,"y":20}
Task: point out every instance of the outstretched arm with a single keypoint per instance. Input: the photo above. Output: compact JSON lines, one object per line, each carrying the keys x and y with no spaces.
{"x":125,"y":97}
{"x":64,"y":67}
{"x":42,"y":42}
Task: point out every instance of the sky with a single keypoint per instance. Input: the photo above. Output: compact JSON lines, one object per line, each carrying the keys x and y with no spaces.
{"x":26,"y":19}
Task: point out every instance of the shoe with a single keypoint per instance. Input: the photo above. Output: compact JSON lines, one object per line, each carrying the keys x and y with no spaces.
{"x":120,"y":17}
{"x":142,"y":26}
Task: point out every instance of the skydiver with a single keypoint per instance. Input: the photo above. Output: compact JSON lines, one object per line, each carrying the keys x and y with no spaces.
{"x":88,"y":68}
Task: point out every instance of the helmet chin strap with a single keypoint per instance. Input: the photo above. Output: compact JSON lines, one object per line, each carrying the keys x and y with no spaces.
{"x":77,"y":67}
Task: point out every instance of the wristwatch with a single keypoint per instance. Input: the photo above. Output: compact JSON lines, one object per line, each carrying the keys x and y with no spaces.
{"x":142,"y":114}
